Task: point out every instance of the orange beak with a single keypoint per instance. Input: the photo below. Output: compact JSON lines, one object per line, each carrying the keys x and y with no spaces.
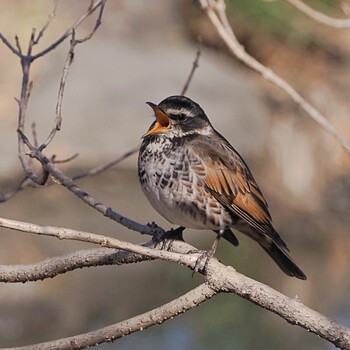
{"x":162,"y":120}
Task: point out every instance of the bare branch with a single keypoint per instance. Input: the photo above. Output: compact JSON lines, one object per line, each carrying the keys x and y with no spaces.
{"x":66,"y":160}
{"x":69,"y":61}
{"x":18,"y":44}
{"x":21,"y":185}
{"x":218,"y":277}
{"x":92,"y":172}
{"x":50,"y":18}
{"x":58,"y":118}
{"x":11,"y":47}
{"x":35,"y":135}
{"x":67,"y":182}
{"x":108,"y":334}
{"x":97,"y":23}
{"x":103,"y":167}
{"x":88,"y":237}
{"x":226,"y":279}
{"x":26,"y":60}
{"x":52,"y":267}
{"x":340,"y":23}
{"x":215,"y":10}
{"x":194,"y":67}
{"x":92,"y":8}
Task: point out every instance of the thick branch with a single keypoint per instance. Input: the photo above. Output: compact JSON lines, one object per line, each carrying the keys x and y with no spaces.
{"x":156,"y":316}
{"x":215,"y":10}
{"x":52,"y":267}
{"x":219,"y":277}
{"x":226,"y":279}
{"x":88,"y":237}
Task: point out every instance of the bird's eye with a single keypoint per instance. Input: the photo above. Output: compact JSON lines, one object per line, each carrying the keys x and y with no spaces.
{"x":181,"y":117}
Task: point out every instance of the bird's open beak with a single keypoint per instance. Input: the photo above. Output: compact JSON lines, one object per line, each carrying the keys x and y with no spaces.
{"x":162,"y":120}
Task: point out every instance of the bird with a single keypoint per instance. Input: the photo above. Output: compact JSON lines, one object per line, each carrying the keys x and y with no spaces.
{"x":194,"y":178}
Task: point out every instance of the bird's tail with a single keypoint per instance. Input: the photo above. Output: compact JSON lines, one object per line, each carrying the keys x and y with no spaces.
{"x":230,"y":237}
{"x":273,"y":245}
{"x":283,"y":260}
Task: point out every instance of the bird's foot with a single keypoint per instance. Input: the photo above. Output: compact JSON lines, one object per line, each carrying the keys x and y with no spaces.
{"x":202,"y":262}
{"x":171,"y":236}
{"x":158,"y":234}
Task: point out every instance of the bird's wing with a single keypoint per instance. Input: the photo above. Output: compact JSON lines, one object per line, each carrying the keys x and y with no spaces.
{"x":230,"y":181}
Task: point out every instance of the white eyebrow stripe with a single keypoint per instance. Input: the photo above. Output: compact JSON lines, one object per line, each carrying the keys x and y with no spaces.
{"x":179,"y":111}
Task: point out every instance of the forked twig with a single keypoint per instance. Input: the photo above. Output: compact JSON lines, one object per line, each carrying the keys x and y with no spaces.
{"x":50,"y":18}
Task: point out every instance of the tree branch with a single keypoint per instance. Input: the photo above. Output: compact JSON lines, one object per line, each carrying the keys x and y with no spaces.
{"x":341,"y":23}
{"x":10,"y":46}
{"x":19,"y":187}
{"x":105,"y":241}
{"x":226,"y":279}
{"x":103,"y":167}
{"x":50,"y":18}
{"x":26,"y":61}
{"x":92,"y":8}
{"x":55,"y":266}
{"x":108,"y":334}
{"x":194,"y":67}
{"x":67,"y":182}
{"x":216,"y":12}
{"x":219,"y":278}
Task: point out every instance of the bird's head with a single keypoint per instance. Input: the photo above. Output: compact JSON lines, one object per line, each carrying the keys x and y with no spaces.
{"x":178,"y":116}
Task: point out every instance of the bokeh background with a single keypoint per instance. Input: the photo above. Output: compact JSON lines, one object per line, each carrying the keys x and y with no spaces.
{"x":143,"y":52}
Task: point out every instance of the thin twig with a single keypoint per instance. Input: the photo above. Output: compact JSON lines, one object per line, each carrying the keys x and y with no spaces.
{"x":194,"y":67}
{"x":97,"y":23}
{"x":35,"y":135}
{"x":69,"y":61}
{"x":11,"y":47}
{"x":215,"y":10}
{"x":26,"y":60}
{"x":66,"y":160}
{"x":67,"y":182}
{"x":21,"y":185}
{"x":18,"y":44}
{"x":91,"y":172}
{"x":341,"y":23}
{"x":89,"y":11}
{"x":50,"y":18}
{"x":58,"y":117}
{"x":103,"y":167}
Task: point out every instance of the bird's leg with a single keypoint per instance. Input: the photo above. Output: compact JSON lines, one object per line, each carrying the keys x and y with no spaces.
{"x":171,"y":236}
{"x":207,"y":255}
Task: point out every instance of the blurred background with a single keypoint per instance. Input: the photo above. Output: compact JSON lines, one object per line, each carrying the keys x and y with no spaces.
{"x":144,"y":52}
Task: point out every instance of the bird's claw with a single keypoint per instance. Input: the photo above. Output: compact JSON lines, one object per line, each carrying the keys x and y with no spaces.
{"x":202,"y":262}
{"x":171,"y":236}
